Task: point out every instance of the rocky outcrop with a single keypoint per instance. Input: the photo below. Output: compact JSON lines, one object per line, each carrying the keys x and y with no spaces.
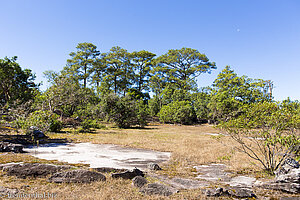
{"x":139,"y":181}
{"x":287,"y":178}
{"x":9,"y":147}
{"x":235,"y":192}
{"x":128,"y":174}
{"x":77,"y":176}
{"x":157,"y":189}
{"x":23,"y":170}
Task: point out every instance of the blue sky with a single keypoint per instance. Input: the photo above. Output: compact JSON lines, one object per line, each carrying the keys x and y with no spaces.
{"x":257,"y":38}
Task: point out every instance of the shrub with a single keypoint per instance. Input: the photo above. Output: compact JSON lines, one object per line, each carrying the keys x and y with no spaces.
{"x":177,"y":112}
{"x":44,"y":120}
{"x":124,"y":111}
{"x":267,"y":132}
{"x":88,"y":124}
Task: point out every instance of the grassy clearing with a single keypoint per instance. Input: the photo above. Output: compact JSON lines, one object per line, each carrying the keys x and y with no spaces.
{"x":190,"y":146}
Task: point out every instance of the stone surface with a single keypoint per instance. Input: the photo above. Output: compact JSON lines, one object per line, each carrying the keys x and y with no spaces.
{"x":153,"y":166}
{"x":157,"y":189}
{"x":9,"y":147}
{"x":213,"y":192}
{"x":129,"y":174}
{"x":287,"y":166}
{"x":109,"y":170}
{"x":180,"y":183}
{"x":240,"y":192}
{"x":242,"y":181}
{"x":213,"y":172}
{"x":77,"y":176}
{"x":98,"y":155}
{"x":289,"y":182}
{"x":139,"y":181}
{"x":236,"y":192}
{"x":32,"y":169}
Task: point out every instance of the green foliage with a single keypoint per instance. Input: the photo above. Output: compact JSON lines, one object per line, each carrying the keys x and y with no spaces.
{"x":119,"y":74}
{"x":44,"y":120}
{"x":266,"y":131}
{"x":16,"y":85}
{"x":181,"y":66}
{"x":142,"y":62}
{"x":177,"y":112}
{"x":124,"y":111}
{"x":88,"y":124}
{"x":200,"y":103}
{"x":230,"y":92}
{"x":66,"y":96}
{"x":82,"y":62}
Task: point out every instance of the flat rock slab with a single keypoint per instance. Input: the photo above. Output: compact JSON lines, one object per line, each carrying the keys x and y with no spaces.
{"x":242,"y":181}
{"x":32,"y":169}
{"x":77,"y":176}
{"x":213,"y":172}
{"x":180,"y":183}
{"x":99,"y":155}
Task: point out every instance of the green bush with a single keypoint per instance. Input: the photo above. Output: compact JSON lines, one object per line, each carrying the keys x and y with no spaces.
{"x":87,"y":124}
{"x":177,"y":112}
{"x":44,"y":120}
{"x":266,"y":131}
{"x":124,"y":111}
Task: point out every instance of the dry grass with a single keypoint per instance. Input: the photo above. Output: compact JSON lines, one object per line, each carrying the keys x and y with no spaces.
{"x":190,"y":146}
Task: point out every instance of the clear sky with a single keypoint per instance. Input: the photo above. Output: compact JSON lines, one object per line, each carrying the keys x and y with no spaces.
{"x":257,"y":38}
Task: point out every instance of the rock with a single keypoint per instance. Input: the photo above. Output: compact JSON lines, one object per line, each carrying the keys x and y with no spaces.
{"x":109,"y":170}
{"x":213,"y":192}
{"x":139,"y":181}
{"x":77,"y":176}
{"x":7,"y":192}
{"x":240,"y":192}
{"x":128,"y":174}
{"x":287,"y":166}
{"x":236,"y":192}
{"x":153,"y":166}
{"x":34,"y":132}
{"x":32,"y":169}
{"x":157,"y":189}
{"x":289,"y":182}
{"x":9,"y":147}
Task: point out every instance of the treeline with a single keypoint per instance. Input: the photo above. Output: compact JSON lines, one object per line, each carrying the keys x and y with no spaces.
{"x":127,"y":88}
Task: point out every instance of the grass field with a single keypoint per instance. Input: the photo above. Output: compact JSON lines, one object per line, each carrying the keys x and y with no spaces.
{"x":189,"y":145}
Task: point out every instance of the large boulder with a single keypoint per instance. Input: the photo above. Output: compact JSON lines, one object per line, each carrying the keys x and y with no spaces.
{"x":9,"y":147}
{"x":35,"y":133}
{"x":77,"y":176}
{"x":24,"y":170}
{"x":158,"y":189}
{"x":129,"y":174}
{"x":139,"y":181}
